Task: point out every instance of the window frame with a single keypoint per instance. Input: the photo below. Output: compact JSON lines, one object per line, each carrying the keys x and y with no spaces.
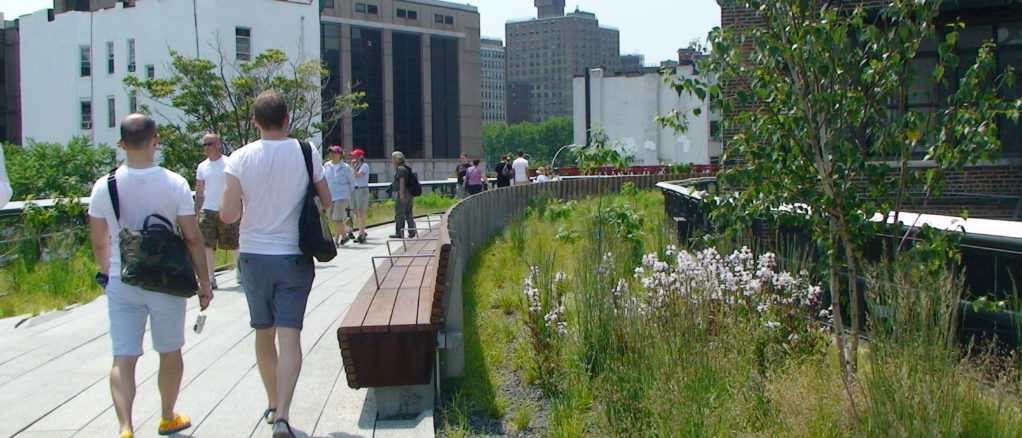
{"x":242,"y":34}
{"x":111,"y":111}
{"x":110,"y":65}
{"x":85,"y":61}
{"x":131,"y":55}
{"x":85,"y":115}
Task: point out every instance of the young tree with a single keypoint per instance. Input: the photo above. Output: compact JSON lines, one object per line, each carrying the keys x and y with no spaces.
{"x":52,"y":170}
{"x":218,"y":96}
{"x":817,"y":105}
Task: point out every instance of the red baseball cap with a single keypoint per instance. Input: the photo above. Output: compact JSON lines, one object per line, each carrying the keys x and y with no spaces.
{"x":358,"y":153}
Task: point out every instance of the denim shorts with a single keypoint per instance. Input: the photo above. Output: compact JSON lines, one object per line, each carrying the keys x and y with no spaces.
{"x":277,"y":288}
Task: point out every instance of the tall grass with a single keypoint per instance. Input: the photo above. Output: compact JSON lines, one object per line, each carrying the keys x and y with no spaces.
{"x":710,"y":351}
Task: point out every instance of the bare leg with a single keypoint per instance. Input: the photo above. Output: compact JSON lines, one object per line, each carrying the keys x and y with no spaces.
{"x":171,"y":369}
{"x":288,"y":369}
{"x":210,"y":261}
{"x":339,"y":232}
{"x":122,"y":388}
{"x":360,"y":217}
{"x":266,"y":357}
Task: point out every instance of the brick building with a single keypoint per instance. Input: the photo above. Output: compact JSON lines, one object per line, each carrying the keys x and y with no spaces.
{"x":990,"y":189}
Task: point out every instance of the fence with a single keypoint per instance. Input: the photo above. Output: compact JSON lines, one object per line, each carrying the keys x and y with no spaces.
{"x":477,"y":219}
{"x":991,"y":251}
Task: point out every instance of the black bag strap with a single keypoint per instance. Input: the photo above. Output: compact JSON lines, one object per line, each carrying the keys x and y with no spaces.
{"x":306,"y":151}
{"x":111,"y":185}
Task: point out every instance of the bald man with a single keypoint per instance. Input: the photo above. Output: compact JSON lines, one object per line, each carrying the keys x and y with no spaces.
{"x":144,"y":189}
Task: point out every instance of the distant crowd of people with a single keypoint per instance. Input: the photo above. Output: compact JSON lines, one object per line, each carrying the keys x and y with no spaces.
{"x":472,"y":178}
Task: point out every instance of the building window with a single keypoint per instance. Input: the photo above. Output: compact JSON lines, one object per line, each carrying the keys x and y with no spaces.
{"x":439,"y":18}
{"x":86,"y":58}
{"x":372,"y":9}
{"x":86,"y":114}
{"x":326,"y":4}
{"x":150,"y":71}
{"x":368,"y":126}
{"x":360,"y":7}
{"x":131,"y":55}
{"x":367,"y":8}
{"x":446,"y":129}
{"x":401,"y":13}
{"x":133,"y":104}
{"x":111,"y":111}
{"x":407,"y":84}
{"x":412,"y":15}
{"x":448,"y":19}
{"x":243,"y":41}
{"x":110,"y":58}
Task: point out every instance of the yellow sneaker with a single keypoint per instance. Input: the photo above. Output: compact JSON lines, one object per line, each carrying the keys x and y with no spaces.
{"x":127,"y":434}
{"x":179,"y":423}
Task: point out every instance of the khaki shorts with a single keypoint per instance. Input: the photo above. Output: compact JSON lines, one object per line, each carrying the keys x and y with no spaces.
{"x":360,"y":198}
{"x":339,"y":212}
{"x":216,"y":233}
{"x":131,"y":306}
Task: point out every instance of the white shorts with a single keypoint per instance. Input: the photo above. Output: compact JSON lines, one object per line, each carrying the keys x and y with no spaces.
{"x":129,"y":307}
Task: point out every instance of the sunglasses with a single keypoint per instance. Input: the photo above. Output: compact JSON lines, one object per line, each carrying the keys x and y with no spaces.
{"x":209,"y":143}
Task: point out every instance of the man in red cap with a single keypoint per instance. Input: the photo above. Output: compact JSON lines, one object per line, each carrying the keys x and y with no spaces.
{"x":360,"y":196}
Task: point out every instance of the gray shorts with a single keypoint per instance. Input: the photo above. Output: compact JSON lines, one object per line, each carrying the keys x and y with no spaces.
{"x":360,"y":198}
{"x":339,"y":211}
{"x":130,"y":307}
{"x":277,"y":288}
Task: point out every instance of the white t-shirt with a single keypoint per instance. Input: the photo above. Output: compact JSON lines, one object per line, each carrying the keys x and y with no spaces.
{"x":521,"y":167}
{"x":362,"y":181}
{"x":212,"y":173}
{"x":273,"y":186}
{"x":542,"y":179}
{"x":141,"y":192}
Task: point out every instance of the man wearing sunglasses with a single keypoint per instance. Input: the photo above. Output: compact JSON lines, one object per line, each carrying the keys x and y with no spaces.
{"x":209,"y":188}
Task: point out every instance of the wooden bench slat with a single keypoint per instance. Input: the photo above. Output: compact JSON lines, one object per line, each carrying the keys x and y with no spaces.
{"x":406,"y":305}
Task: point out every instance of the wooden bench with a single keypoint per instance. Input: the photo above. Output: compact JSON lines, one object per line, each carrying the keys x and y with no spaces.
{"x":388,"y":336}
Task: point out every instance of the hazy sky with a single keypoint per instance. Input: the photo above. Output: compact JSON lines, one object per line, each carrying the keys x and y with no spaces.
{"x":654,"y":28}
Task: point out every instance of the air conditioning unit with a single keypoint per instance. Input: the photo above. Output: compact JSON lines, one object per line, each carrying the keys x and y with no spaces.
{"x":86,"y":125}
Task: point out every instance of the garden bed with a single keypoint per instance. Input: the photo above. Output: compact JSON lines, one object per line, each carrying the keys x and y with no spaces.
{"x":565,"y":337}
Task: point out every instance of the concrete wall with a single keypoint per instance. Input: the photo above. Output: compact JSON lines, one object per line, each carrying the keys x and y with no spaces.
{"x":626,"y":108}
{"x":51,"y":84}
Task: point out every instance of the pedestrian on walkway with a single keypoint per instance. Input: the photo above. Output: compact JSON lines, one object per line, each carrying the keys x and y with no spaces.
{"x":341,"y":180}
{"x":521,"y":168}
{"x":403,"y":200}
{"x":504,"y":172}
{"x":269,"y":177}
{"x":475,"y":178}
{"x":209,"y":189}
{"x":460,"y":172}
{"x":360,"y":197}
{"x":144,"y":189}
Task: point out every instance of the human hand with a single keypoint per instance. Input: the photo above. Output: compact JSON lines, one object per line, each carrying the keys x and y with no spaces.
{"x":205,"y":296}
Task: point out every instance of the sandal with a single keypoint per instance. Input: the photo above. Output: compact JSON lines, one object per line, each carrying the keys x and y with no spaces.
{"x":282,"y":430}
{"x":268,"y":415}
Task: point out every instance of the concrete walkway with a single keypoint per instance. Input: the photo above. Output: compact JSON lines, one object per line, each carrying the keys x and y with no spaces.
{"x":54,"y":368}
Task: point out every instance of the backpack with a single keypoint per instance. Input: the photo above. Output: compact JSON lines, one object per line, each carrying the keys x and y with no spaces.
{"x":413,"y":186}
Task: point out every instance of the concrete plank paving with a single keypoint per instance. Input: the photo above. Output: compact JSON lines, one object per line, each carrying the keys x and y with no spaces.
{"x":54,"y":368}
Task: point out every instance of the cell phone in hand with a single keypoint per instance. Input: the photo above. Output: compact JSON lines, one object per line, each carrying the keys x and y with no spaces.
{"x":200,"y":322}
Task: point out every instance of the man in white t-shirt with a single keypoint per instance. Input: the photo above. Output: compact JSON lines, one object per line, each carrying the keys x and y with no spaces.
{"x":521,"y":168}
{"x":143,"y":189}
{"x":209,"y":188}
{"x":269,"y":178}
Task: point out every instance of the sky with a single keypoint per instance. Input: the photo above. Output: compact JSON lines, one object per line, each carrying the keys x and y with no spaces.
{"x":653,"y":28}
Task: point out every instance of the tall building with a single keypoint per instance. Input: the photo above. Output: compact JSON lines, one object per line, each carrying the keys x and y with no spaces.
{"x":418,"y":61}
{"x":543,"y":54}
{"x":494,"y":81}
{"x":10,"y":91}
{"x":631,"y":64}
{"x":74,"y":58}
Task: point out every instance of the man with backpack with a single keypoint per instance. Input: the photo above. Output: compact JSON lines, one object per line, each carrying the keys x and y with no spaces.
{"x":270,"y":177}
{"x":504,"y":172}
{"x":127,"y":199}
{"x":405,"y":188}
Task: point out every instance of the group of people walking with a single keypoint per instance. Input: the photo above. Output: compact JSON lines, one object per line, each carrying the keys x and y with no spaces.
{"x":249,"y":204}
{"x":472,"y":177}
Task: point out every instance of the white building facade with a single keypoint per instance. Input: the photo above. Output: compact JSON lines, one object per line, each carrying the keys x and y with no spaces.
{"x":626,"y":108}
{"x":73,"y":64}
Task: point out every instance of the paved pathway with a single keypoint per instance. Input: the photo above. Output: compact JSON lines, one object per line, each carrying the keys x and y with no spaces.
{"x":54,"y":368}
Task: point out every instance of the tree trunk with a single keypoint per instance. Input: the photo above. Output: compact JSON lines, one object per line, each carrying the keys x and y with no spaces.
{"x":835,"y":306}
{"x":854,"y":297}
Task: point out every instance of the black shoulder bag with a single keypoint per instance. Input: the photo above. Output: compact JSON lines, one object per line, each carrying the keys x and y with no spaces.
{"x":154,"y":258}
{"x":313,"y":235}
